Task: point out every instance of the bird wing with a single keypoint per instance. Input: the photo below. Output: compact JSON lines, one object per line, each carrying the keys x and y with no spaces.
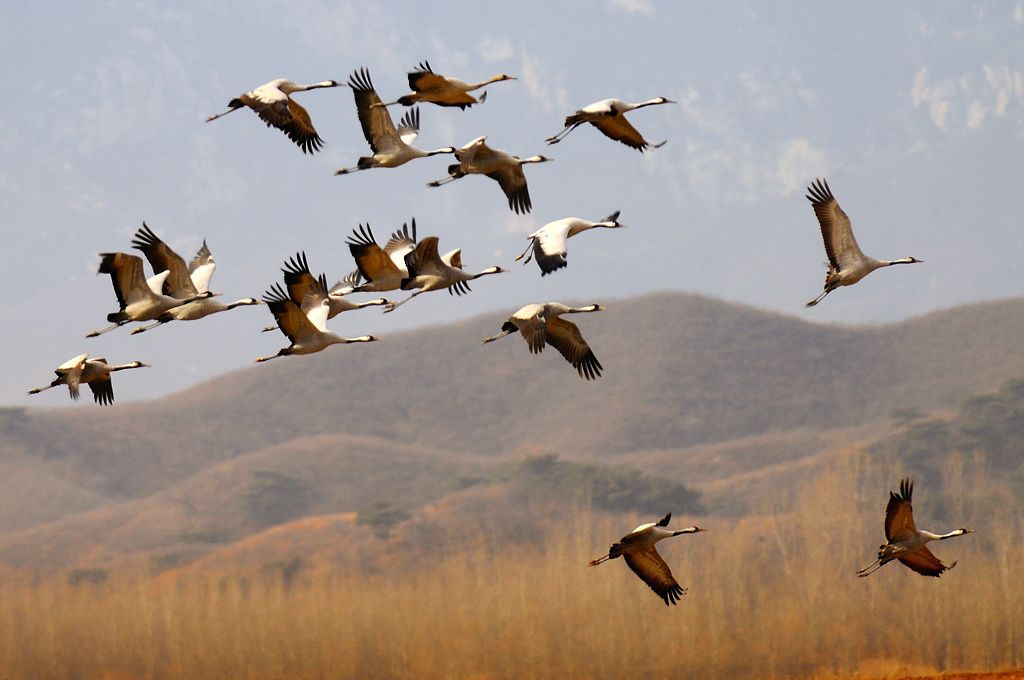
{"x":840,"y":245}
{"x":409,"y":126}
{"x":373,"y":262}
{"x":652,"y":570}
{"x":615,"y":126}
{"x":401,"y":244}
{"x":899,"y":514}
{"x":125,"y":274}
{"x":923,"y":561}
{"x":102,"y":389}
{"x":276,"y":108}
{"x":290,"y":318}
{"x":532,"y":327}
{"x":425,"y":259}
{"x":378,"y":128}
{"x":162,"y":258}
{"x":565,"y":336}
{"x":71,"y":373}
{"x":425,"y":79}
{"x":512,"y":181}
{"x":297,"y":278}
{"x":549,"y":249}
{"x":201,"y":268}
{"x":316,"y":305}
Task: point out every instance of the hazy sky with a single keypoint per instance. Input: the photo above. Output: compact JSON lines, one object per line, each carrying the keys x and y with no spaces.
{"x":914,"y":112}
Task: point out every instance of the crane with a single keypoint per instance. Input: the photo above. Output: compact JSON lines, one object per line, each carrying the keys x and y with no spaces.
{"x":476,"y":158}
{"x":383,"y":268}
{"x":93,"y":372}
{"x":540,"y":324}
{"x":391,"y":146}
{"x":431,"y":87}
{"x":549,"y":242}
{"x":182,"y":281}
{"x":140,"y":300}
{"x":429,"y":271}
{"x":608,"y":116}
{"x":637,"y":548}
{"x":905,"y":542}
{"x":298,"y":280}
{"x":274,"y":105}
{"x":307,"y":331}
{"x":847,"y":264}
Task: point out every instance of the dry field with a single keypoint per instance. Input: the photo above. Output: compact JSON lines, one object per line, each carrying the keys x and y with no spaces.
{"x":770,"y":596}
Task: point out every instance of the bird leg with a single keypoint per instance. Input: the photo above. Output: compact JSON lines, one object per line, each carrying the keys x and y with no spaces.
{"x":446,"y":180}
{"x":496,"y":337}
{"x":218,"y":115}
{"x":274,"y":356}
{"x":392,"y":306}
{"x":561,"y":135}
{"x":104,"y":330}
{"x":867,"y":571}
{"x":819,"y":298}
{"x":146,"y":328}
{"x":527,"y":260}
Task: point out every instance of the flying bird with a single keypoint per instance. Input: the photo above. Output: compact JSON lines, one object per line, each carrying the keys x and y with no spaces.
{"x":383,"y":268}
{"x":140,"y":299}
{"x":182,"y":281}
{"x":391,"y":146}
{"x":541,"y":323}
{"x":549,"y":242}
{"x":906,"y":542}
{"x":274,"y":105}
{"x":637,"y":548}
{"x":429,"y":271}
{"x":430,"y":87}
{"x":298,"y":281}
{"x":847,"y":264}
{"x":476,"y":158}
{"x":307,"y":331}
{"x":93,"y":372}
{"x":609,"y":117}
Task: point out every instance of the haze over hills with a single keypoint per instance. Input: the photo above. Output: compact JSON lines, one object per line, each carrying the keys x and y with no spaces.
{"x":693,"y":389}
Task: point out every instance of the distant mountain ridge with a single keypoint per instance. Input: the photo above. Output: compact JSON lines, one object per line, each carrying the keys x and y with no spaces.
{"x":693,"y":387}
{"x":680,"y":370}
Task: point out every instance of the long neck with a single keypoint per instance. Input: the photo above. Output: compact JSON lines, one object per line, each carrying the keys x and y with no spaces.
{"x":905,"y":260}
{"x":650,"y":102}
{"x":492,"y":270}
{"x":477,"y":86}
{"x":111,"y":369}
{"x":938,"y":537}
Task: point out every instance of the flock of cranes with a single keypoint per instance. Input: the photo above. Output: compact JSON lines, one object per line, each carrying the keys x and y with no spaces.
{"x":304,"y":304}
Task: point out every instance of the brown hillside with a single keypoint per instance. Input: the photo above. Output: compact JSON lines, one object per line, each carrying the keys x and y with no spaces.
{"x":680,"y":370}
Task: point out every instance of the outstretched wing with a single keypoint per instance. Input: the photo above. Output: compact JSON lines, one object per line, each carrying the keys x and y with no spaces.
{"x":653,"y":571}
{"x":565,"y":336}
{"x":925,"y":562}
{"x":840,"y":246}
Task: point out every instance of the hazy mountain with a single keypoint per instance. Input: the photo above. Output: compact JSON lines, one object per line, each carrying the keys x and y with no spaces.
{"x":401,"y":419}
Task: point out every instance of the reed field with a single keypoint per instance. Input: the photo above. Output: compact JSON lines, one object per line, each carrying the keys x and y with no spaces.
{"x":771,"y":595}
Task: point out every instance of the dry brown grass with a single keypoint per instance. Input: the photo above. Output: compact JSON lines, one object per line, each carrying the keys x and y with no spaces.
{"x":771,"y":596}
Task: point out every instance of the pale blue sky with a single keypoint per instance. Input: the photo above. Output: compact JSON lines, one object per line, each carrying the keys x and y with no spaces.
{"x":913,"y":111}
